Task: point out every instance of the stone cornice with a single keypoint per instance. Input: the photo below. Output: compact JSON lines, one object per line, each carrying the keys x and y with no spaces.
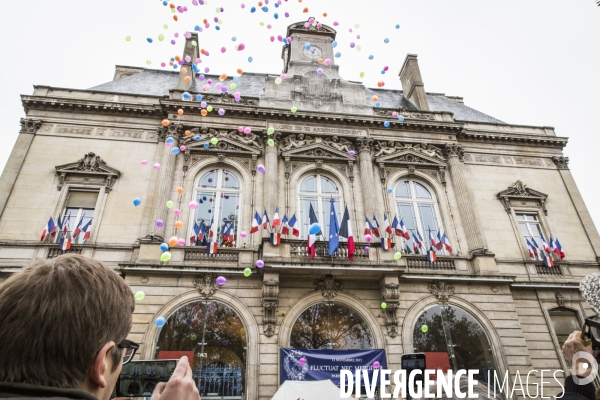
{"x":59,"y":103}
{"x":554,"y":141}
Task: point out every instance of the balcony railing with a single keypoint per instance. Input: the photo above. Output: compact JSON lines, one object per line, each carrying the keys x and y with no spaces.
{"x":299,"y":249}
{"x":552,"y":271}
{"x":54,"y":252}
{"x":422,"y":264}
{"x":200,"y":255}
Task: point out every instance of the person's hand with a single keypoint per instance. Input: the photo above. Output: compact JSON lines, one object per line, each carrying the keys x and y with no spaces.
{"x":181,"y":386}
{"x":572,"y":346}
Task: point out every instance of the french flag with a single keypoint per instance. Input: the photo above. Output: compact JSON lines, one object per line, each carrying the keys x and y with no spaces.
{"x":416,"y":244}
{"x":396,"y":226}
{"x":59,"y":225}
{"x":545,"y":245}
{"x":211,"y":247}
{"x":275,"y":238}
{"x":265,"y":220}
{"x":49,"y":229}
{"x":312,"y":218}
{"x":368,"y":226}
{"x":65,"y":241}
{"x":386,"y":225}
{"x":87,"y":231}
{"x":434,"y":242}
{"x":431,"y":255}
{"x":386,"y":243}
{"x":77,"y":228}
{"x":421,"y":241}
{"x":403,"y":229}
{"x":211,"y":229}
{"x":276,"y":220}
{"x":548,"y":261}
{"x":558,"y":249}
{"x":446,"y":243}
{"x":228,"y":234}
{"x":440,"y":243}
{"x":294,"y":225}
{"x":196,"y":233}
{"x":285,"y":229}
{"x":255,"y":223}
{"x":375,"y":227}
{"x":66,"y":226}
{"x":346,"y":232}
{"x":536,"y":248}
{"x":531,"y":250}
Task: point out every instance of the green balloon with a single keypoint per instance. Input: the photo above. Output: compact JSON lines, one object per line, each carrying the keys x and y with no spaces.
{"x":271,"y":142}
{"x":209,"y":108}
{"x":270,"y":131}
{"x":193,"y":337}
{"x":166,"y":26}
{"x":166,"y":256}
{"x":397,"y":256}
{"x":232,"y":86}
{"x":261,"y":23}
{"x":161,"y":37}
{"x":139,"y":295}
{"x":170,"y":204}
{"x":278,"y":80}
{"x":362,"y":74}
{"x":424,"y":328}
{"x":359,"y":48}
{"x":357,"y":26}
{"x":128,"y":38}
{"x":194,"y":43}
{"x":247,"y":272}
{"x":383,"y":305}
{"x":294,"y":109}
{"x":214,"y":140}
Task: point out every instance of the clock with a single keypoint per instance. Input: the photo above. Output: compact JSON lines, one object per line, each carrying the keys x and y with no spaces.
{"x":313,"y":53}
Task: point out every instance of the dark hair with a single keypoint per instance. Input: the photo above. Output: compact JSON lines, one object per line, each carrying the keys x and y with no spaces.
{"x":56,"y":315}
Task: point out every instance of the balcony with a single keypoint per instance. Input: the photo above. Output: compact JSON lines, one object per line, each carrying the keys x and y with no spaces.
{"x":549,"y":271}
{"x":299,"y":249}
{"x":54,"y":252}
{"x":415,"y":263}
{"x":199,"y":255}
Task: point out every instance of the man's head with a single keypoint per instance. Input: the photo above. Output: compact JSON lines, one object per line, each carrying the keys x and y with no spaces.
{"x":61,"y":321}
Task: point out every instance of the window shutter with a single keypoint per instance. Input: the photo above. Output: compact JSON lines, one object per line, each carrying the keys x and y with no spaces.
{"x":82,"y":200}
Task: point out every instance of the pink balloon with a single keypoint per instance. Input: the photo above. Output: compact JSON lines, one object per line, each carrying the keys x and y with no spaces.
{"x":177,"y":212}
{"x":144,"y":162}
{"x":157,"y":166}
{"x":241,"y":46}
{"x":243,"y":234}
{"x":223,"y":49}
{"x":193,"y":205}
{"x":327,"y":62}
{"x":368,"y":237}
{"x":181,"y":242}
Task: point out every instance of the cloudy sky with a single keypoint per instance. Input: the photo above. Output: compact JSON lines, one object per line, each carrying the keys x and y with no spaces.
{"x":534,"y":62}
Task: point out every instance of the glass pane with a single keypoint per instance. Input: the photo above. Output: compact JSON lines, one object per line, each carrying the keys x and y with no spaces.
{"x":337,"y":327}
{"x":209,"y":179}
{"x":82,"y":199}
{"x":531,"y":217}
{"x":520,"y":217}
{"x":222,"y":369}
{"x":453,"y":339}
{"x":407,"y":213}
{"x":205,"y":212}
{"x":230,"y":180}
{"x":565,"y":322}
{"x":403,"y":190}
{"x":535,"y":230}
{"x":428,"y":221}
{"x":228,"y":214}
{"x":524,"y":230}
{"x":421,"y":192}
{"x":303,"y":215}
{"x":309,"y":184}
{"x":328,"y":186}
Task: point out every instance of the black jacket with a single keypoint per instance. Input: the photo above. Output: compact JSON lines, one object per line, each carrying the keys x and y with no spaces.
{"x":26,"y":391}
{"x":577,"y":392}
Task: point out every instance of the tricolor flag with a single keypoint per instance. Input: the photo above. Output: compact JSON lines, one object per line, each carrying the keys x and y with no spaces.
{"x":531,"y":250}
{"x":368,"y":226}
{"x":77,"y":228}
{"x":275,"y":238}
{"x":386,"y":243}
{"x":346,"y":232}
{"x":403,"y":229}
{"x":416,"y":244}
{"x":211,"y":247}
{"x":559,"y":249}
{"x":386,"y":225}
{"x":545,"y":245}
{"x":548,"y":261}
{"x":255,"y":222}
{"x":440,"y":243}
{"x":536,"y":248}
{"x":196,"y":232}
{"x":87,"y":231}
{"x":59,"y":225}
{"x":285,"y":229}
{"x":446,"y":243}
{"x":49,"y":229}
{"x":434,"y":242}
{"x":211,"y":228}
{"x":294,"y":225}
{"x":375,"y":227}
{"x":65,"y":241}
{"x":265,"y":220}
{"x":66,"y":226}
{"x":228,"y":236}
{"x":431,"y":256}
{"x":421,"y":241}
{"x":276,"y":220}
{"x":312,"y":238}
{"x":334,"y":239}
{"x":396,"y":227}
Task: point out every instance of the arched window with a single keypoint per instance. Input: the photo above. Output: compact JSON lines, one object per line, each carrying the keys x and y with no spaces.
{"x":452,"y":339}
{"x":317,"y":189}
{"x":216,"y":336}
{"x":565,"y":322}
{"x":417,"y":206}
{"x":218,"y":195}
{"x":330,"y":326}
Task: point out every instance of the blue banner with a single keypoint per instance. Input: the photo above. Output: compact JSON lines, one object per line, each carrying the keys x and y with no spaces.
{"x":318,"y":365}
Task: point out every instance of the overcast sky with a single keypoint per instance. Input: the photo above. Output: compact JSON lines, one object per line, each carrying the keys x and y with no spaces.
{"x":533,"y":62}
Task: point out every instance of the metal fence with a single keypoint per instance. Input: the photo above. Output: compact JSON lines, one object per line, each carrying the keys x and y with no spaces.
{"x":220,"y":382}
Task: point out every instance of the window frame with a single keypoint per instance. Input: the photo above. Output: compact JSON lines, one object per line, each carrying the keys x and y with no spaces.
{"x":539,"y":213}
{"x":319,"y":196}
{"x":546,"y":308}
{"x":61,"y":209}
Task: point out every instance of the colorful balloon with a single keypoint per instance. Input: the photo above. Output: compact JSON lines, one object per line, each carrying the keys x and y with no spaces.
{"x":160,"y":322}
{"x":247,"y":272}
{"x":221,"y":280}
{"x":260,"y":264}
{"x":165,"y":257}
{"x":139,"y":295}
{"x":137,"y":201}
{"x":397,"y":256}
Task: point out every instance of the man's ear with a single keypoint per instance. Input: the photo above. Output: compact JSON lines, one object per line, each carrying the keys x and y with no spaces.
{"x":100,"y":364}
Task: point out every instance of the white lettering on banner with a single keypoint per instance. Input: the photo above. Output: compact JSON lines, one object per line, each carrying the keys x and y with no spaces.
{"x":385,"y":373}
{"x":412,"y":386}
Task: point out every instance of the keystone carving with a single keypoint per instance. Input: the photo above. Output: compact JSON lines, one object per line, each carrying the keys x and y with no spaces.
{"x":270,"y":303}
{"x":561,"y":162}
{"x":206,"y":285}
{"x":328,"y":286}
{"x":30,"y":125}
{"x":519,"y":192}
{"x":441,"y":290}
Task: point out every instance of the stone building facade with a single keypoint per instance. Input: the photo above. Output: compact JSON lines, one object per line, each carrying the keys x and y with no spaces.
{"x":487,"y":184}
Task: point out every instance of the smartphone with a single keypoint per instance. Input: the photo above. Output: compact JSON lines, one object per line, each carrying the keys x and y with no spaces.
{"x":411,"y":362}
{"x":139,"y":378}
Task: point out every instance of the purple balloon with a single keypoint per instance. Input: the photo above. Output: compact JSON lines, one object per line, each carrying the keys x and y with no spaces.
{"x":160,"y":223}
{"x":376,"y":365}
{"x":351,"y":153}
{"x":367,"y":248}
{"x":221,"y":280}
{"x":260,"y":263}
{"x":261,"y":168}
{"x":302,"y":361}
{"x":225,"y":343}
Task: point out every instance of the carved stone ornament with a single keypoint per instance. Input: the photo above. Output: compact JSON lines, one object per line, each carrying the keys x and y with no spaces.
{"x":328,"y":286}
{"x":454,"y":150}
{"x":30,"y":125}
{"x":172,"y":130}
{"x":425,"y":157}
{"x":90,"y":170}
{"x":301,"y":146}
{"x":206,"y":285}
{"x":228,"y":142}
{"x":519,"y":192}
{"x":364,"y":145}
{"x":391,"y":296}
{"x":441,"y":290}
{"x":270,"y":303}
{"x":561,"y":162}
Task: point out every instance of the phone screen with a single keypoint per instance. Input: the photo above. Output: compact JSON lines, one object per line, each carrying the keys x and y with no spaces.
{"x":411,"y":362}
{"x":139,"y":378}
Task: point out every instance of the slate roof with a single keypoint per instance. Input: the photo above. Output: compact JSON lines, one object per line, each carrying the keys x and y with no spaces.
{"x":158,"y":83}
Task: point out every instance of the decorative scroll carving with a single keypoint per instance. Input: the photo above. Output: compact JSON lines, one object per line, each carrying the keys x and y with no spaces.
{"x":30,"y":125}
{"x":561,"y":162}
{"x":228,"y":141}
{"x":206,"y":285}
{"x":172,"y":130}
{"x":441,"y":290}
{"x":391,"y":147}
{"x":228,"y":98}
{"x":364,"y":144}
{"x":391,"y":296}
{"x":304,"y":146}
{"x":328,"y":286}
{"x":296,"y":141}
{"x":270,"y":303}
{"x":520,"y":192}
{"x":90,"y":169}
{"x":454,"y":150}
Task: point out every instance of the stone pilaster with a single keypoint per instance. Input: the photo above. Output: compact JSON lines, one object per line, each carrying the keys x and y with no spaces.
{"x":367,"y":177}
{"x":270,"y":302}
{"x":390,"y":294}
{"x":270,"y":185}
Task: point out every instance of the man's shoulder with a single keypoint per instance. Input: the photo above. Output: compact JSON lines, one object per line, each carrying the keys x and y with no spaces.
{"x":20,"y":391}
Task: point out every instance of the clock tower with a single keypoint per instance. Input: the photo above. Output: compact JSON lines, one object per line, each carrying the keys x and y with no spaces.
{"x":299,"y":58}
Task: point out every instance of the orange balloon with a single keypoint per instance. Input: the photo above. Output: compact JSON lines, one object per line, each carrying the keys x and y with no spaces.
{"x":165,"y":122}
{"x":180,"y":111}
{"x":171,"y":63}
{"x":172,"y":241}
{"x":187,"y":133}
{"x":184,"y":70}
{"x":187,"y":79}
{"x":203,"y":51}
{"x":239,"y":71}
{"x":375,"y":98}
{"x":205,"y":20}
{"x":320,"y":60}
{"x":305,"y":10}
{"x":177,"y":58}
{"x":179,"y":190}
{"x":203,"y":112}
{"x":172,"y":5}
{"x":324,"y":14}
{"x":178,"y":224}
{"x":175,"y":18}
{"x":260,"y":3}
{"x":223,"y":77}
{"x":379,"y":84}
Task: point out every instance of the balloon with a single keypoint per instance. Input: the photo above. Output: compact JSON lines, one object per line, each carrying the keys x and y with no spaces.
{"x":302,"y":361}
{"x":160,"y":223}
{"x":334,"y":43}
{"x":319,"y":71}
{"x":164,"y":247}
{"x":241,"y":47}
{"x":386,"y":124}
{"x":366,"y":249}
{"x":144,"y":162}
{"x":137,"y":201}
{"x":424,"y":328}
{"x":368,"y":237}
{"x":149,"y":40}
{"x":179,"y":190}
{"x":128,"y":38}
{"x":378,"y":104}
{"x":278,"y":81}
{"x":139,"y":295}
{"x":165,"y":122}
{"x":221,"y":111}
{"x":223,"y":49}
{"x":400,"y":118}
{"x":177,"y":212}
{"x":375,"y":98}
{"x":181,"y":242}
{"x":209,"y":108}
{"x":193,"y":337}
{"x":170,"y":204}
{"x":314,"y":228}
{"x":397,"y":256}
{"x":398,"y":26}
{"x":270,"y":131}
{"x":386,"y":40}
{"x":307,"y":46}
{"x":166,"y":256}
{"x":247,"y":272}
{"x":175,"y":151}
{"x":243,"y":234}
{"x":261,"y":168}
{"x":394,"y":114}
{"x":172,"y":241}
{"x":371,"y":57}
{"x":383,"y":305}
{"x":376,"y":365}
{"x":351,"y":153}
{"x":214,"y":140}
{"x":362,"y":74}
{"x":160,"y":322}
{"x":260,"y":264}
{"x":338,"y":54}
{"x":247,"y":130}
{"x":250,"y":59}
{"x":221,"y":281}
{"x":271,"y":142}
{"x":179,"y":224}
{"x":192,"y":205}
{"x":294,"y":109}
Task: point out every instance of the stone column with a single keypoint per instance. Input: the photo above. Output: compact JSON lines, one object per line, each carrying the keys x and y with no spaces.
{"x":471,"y":225}
{"x":367,"y":178}
{"x":270,"y":197}
{"x":165,"y":177}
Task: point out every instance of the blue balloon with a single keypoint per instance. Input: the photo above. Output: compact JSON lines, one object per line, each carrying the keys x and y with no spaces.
{"x":276,"y":5}
{"x":386,"y":40}
{"x":398,"y":26}
{"x":197,"y":138}
{"x":169,"y":140}
{"x":265,"y":9}
{"x":253,"y":9}
{"x":149,"y":40}
{"x":197,"y":28}
{"x":233,"y":39}
{"x":195,"y":68}
{"x":206,"y":145}
{"x":276,"y":15}
{"x":175,"y":66}
{"x":165,"y":3}
{"x":250,"y":59}
{"x":172,"y":59}
{"x":371,"y":57}
{"x":382,"y":72}
{"x":390,"y":190}
{"x":378,"y":104}
{"x":307,"y":46}
{"x":314,"y":228}
{"x":334,"y":44}
{"x":137,"y":201}
{"x":400,"y":118}
{"x":160,"y":322}
{"x":338,"y":54}
{"x":175,"y":150}
{"x":386,"y":124}
{"x":164,"y":247}
{"x":285,"y":40}
{"x":236,"y":79}
{"x":198,"y":97}
{"x":186,"y":95}
{"x":217,"y":27}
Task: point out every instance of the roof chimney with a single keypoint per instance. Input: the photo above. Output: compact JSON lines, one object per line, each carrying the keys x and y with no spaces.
{"x":191,"y":50}
{"x":412,"y":84}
